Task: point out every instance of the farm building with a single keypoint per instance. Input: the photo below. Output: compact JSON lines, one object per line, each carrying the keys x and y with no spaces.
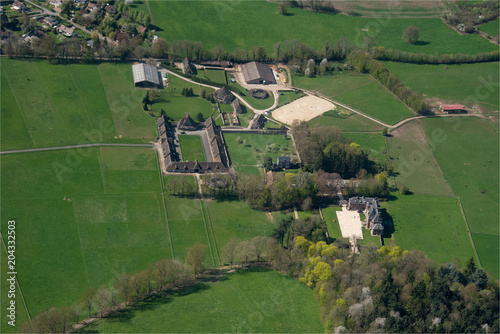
{"x":371,"y":209}
{"x":257,"y":73}
{"x":187,"y":123}
{"x":223,"y":95}
{"x":453,"y":108}
{"x":237,"y":106}
{"x":259,"y":122}
{"x":187,"y":67}
{"x":146,"y":76}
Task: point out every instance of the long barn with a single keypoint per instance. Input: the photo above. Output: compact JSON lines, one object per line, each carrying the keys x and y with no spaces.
{"x":257,"y":73}
{"x":146,"y":76}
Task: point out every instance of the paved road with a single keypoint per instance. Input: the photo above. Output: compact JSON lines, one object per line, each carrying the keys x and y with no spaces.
{"x":73,"y":147}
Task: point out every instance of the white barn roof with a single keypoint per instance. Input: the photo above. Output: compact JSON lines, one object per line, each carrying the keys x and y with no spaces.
{"x":145,"y":72}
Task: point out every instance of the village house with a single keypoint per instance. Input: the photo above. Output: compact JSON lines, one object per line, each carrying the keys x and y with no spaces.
{"x":66,"y":31}
{"x":19,"y":6}
{"x":258,"y":73}
{"x":92,"y":7}
{"x":111,"y":10}
{"x":370,"y":207}
{"x":283,"y":162}
{"x":56,"y":3}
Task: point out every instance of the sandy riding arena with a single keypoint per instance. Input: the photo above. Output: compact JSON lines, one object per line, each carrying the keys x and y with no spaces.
{"x":303,"y":109}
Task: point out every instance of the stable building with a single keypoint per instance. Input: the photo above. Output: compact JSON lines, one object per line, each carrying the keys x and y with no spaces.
{"x":146,"y":76}
{"x":258,"y":73}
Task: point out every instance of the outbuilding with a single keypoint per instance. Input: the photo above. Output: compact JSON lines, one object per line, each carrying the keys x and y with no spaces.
{"x":258,"y":73}
{"x":146,"y":76}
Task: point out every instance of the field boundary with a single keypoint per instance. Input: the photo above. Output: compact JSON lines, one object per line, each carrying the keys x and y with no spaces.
{"x":73,"y":147}
{"x":206,"y":231}
{"x":213,"y":233}
{"x":462,"y":211}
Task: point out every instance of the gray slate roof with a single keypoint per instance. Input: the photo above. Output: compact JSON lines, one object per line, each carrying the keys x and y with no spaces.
{"x":145,"y":72}
{"x":257,"y":71}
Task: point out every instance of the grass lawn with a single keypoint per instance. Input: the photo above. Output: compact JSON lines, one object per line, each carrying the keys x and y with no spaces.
{"x":432,"y":224}
{"x":467,"y":83}
{"x":191,"y":148}
{"x":244,"y":301}
{"x":250,"y":149}
{"x":361,"y":92}
{"x":332,"y":222}
{"x":213,"y":75}
{"x":287,"y":97}
{"x":492,"y":28}
{"x":87,"y":216}
{"x":467,"y":153}
{"x":229,"y":22}
{"x":413,"y":161}
{"x":488,"y":249}
{"x":176,"y":106}
{"x":236,"y":219}
{"x":352,"y":123}
{"x":372,"y":143}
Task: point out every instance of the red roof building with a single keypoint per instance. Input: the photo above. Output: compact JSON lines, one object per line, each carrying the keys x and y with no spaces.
{"x":452,"y":108}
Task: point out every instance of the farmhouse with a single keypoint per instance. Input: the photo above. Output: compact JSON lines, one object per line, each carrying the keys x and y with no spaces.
{"x":19,"y":6}
{"x":146,"y":76}
{"x":453,"y":108}
{"x":371,"y":209}
{"x":223,"y":95}
{"x":257,"y":73}
{"x":187,"y":67}
{"x":171,"y":159}
{"x":237,"y":106}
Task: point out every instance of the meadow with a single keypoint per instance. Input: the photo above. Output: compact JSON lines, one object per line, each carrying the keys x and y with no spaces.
{"x":361,"y":92}
{"x":467,"y":153}
{"x":413,"y":161}
{"x":244,"y":301}
{"x":249,"y":150}
{"x":287,"y":97}
{"x":492,"y":28}
{"x":176,"y":105}
{"x":372,"y":143}
{"x":230,"y":21}
{"x":433,"y":224}
{"x":352,"y":123}
{"x":55,"y":105}
{"x":191,"y":148}
{"x":466,"y":83}
{"x":87,"y":216}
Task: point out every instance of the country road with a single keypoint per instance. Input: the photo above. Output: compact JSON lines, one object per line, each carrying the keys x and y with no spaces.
{"x":73,"y":147}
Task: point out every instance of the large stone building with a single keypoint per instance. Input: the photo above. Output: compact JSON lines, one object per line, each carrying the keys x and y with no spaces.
{"x":171,"y":159}
{"x":371,"y":209}
{"x":257,"y":73}
{"x":146,"y":76}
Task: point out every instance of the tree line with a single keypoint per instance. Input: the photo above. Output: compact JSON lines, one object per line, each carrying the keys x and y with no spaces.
{"x":391,"y":290}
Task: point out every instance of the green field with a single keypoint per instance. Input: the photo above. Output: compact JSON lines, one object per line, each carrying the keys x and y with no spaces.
{"x":413,"y":162}
{"x":467,"y":83}
{"x":352,"y":123}
{"x":87,"y":216}
{"x":245,"y":301}
{"x":229,"y":22}
{"x":287,"y":97}
{"x":372,"y":143}
{"x":492,"y":28}
{"x":191,"y":148}
{"x":176,"y":106}
{"x":249,"y":150}
{"x":361,"y":92}
{"x":218,"y":76}
{"x":432,"y":224}
{"x":332,"y":222}
{"x":467,"y":153}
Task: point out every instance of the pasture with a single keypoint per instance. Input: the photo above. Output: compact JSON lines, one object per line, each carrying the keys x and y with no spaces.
{"x":249,"y":150}
{"x":492,"y":28}
{"x":432,"y":224}
{"x":87,"y":216}
{"x":413,"y":161}
{"x":229,"y":22}
{"x":467,"y":153}
{"x":287,"y":97}
{"x":372,"y":143}
{"x":361,"y":92}
{"x":245,"y":301}
{"x":191,"y":148}
{"x":352,"y":123}
{"x":176,"y":105}
{"x":467,"y":84}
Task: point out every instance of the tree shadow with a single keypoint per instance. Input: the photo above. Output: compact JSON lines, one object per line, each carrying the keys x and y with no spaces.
{"x":388,"y":224}
{"x":421,"y":43}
